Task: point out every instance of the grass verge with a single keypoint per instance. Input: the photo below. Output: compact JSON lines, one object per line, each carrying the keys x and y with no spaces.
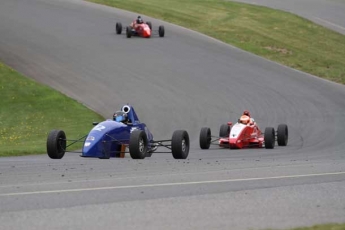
{"x":30,"y":110}
{"x":273,"y":34}
{"x":323,"y":227}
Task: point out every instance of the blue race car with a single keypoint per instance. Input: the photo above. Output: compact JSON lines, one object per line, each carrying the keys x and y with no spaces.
{"x":110,"y":138}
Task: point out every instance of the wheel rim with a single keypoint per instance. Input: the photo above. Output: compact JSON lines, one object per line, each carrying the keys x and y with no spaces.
{"x":141,"y":145}
{"x":61,"y":145}
{"x":184,"y":145}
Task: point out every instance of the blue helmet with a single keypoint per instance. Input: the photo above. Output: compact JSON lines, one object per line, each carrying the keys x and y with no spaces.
{"x":120,"y":116}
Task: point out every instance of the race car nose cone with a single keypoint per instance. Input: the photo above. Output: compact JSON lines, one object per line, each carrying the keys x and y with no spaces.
{"x":147,"y":33}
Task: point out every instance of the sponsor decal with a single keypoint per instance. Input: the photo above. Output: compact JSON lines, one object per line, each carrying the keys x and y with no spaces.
{"x":99,"y":128}
{"x":134,"y":128}
{"x":90,"y":138}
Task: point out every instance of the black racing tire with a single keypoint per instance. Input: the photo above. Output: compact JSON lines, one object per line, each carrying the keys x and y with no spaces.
{"x":205,"y":138}
{"x":149,"y":24}
{"x":161,"y":31}
{"x":128,"y":32}
{"x":118,"y":28}
{"x":138,"y":144}
{"x":282,"y":135}
{"x":269,"y":138}
{"x":224,"y":130}
{"x":180,"y":144}
{"x":56,"y":144}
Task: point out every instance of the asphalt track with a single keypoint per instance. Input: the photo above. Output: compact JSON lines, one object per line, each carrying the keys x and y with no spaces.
{"x":185,"y":80}
{"x":329,"y":13}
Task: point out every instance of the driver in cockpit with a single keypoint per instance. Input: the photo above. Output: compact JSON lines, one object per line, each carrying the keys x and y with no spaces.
{"x":120,"y":116}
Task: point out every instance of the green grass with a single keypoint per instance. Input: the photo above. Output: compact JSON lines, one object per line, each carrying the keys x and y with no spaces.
{"x":323,"y":227}
{"x":275,"y":35}
{"x":28,"y":111}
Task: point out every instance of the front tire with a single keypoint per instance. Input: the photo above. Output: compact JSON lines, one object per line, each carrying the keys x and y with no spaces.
{"x":180,"y":144}
{"x":118,"y":28}
{"x":282,"y":135}
{"x":205,"y":138}
{"x":269,"y":137}
{"x":56,"y":144}
{"x":128,"y":32}
{"x":161,"y":31}
{"x":138,"y":144}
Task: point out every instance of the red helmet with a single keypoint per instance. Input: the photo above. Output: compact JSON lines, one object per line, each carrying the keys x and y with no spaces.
{"x":246,"y":112}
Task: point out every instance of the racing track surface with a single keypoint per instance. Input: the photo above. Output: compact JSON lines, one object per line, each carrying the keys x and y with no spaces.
{"x":329,"y":13}
{"x":185,"y":80}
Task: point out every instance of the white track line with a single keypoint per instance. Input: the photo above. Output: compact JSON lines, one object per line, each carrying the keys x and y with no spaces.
{"x":153,"y":174}
{"x":330,"y":23}
{"x":168,"y":184}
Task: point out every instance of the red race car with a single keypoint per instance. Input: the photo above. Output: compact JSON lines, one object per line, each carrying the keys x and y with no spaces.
{"x":141,"y":30}
{"x":240,"y":136}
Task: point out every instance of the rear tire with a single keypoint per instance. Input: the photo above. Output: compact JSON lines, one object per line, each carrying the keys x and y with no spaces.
{"x":138,"y":144}
{"x":118,"y":28}
{"x":224,"y":130}
{"x":282,"y":135}
{"x":56,"y":144}
{"x":128,"y":32}
{"x":269,"y":137}
{"x":205,"y":138}
{"x":161,"y":31}
{"x":180,"y":144}
{"x":149,"y":24}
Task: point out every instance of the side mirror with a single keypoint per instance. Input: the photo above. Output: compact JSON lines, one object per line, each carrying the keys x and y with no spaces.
{"x":95,"y":123}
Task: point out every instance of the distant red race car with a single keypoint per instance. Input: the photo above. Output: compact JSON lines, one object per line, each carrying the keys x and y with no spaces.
{"x":141,"y":30}
{"x":240,"y":136}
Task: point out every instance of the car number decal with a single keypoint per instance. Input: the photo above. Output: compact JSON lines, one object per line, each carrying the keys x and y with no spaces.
{"x":134,"y":128}
{"x":99,"y":127}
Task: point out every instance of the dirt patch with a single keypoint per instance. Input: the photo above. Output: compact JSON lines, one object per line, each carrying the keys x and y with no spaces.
{"x":280,"y":50}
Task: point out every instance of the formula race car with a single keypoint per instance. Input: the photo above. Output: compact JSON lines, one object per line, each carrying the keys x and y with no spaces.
{"x":240,"y":136}
{"x":110,"y":138}
{"x":141,"y":30}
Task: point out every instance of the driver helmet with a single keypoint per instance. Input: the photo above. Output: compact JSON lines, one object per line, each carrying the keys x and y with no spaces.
{"x":246,"y":112}
{"x":140,"y":20}
{"x":120,"y":116}
{"x":244,"y":119}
